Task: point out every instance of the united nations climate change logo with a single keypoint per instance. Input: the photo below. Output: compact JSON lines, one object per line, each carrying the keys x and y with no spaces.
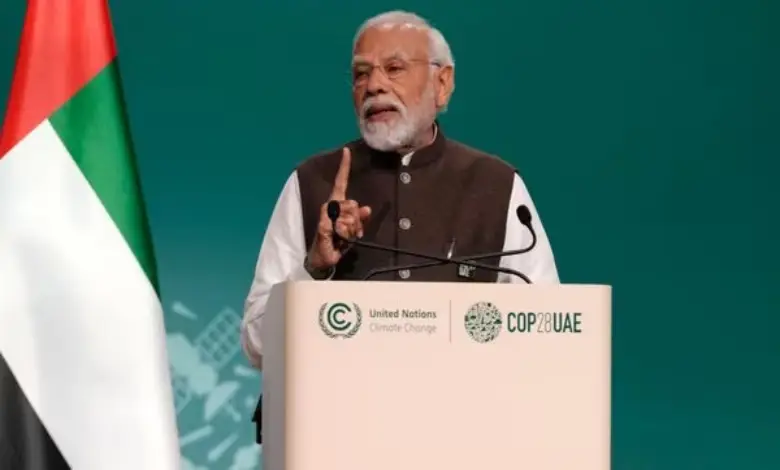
{"x":483,"y":322}
{"x":340,"y":319}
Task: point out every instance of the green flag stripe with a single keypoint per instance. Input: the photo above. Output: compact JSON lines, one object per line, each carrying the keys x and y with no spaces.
{"x":93,"y":127}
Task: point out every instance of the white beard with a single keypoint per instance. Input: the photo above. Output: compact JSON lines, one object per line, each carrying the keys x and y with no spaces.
{"x":388,"y":136}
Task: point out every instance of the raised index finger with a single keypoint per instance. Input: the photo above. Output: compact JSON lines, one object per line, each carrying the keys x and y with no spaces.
{"x":339,"y":192}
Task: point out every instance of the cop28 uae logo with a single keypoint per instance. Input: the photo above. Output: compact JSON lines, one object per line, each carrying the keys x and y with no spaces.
{"x":483,"y":322}
{"x":340,"y":319}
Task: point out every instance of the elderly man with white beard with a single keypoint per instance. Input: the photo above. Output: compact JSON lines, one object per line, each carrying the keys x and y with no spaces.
{"x":403,"y":184}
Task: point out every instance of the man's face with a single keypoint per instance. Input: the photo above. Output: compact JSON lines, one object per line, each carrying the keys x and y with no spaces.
{"x":394,"y":89}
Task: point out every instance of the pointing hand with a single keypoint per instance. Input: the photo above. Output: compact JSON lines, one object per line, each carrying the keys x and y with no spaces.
{"x":325,"y":252}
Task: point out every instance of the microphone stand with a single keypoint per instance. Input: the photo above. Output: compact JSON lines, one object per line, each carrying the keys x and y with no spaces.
{"x":436,"y":260}
{"x":460,"y":260}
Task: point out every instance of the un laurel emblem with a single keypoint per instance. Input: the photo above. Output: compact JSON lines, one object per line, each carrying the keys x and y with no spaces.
{"x":483,"y":322}
{"x":340,"y":319}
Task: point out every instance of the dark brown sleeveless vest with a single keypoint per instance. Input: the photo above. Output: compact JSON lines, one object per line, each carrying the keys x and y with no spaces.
{"x":449,"y":192}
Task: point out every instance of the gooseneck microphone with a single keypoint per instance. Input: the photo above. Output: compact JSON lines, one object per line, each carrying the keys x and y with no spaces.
{"x":334,"y":210}
{"x":523,"y":215}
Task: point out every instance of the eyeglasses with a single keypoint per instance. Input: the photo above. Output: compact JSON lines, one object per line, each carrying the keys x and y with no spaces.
{"x":394,"y":69}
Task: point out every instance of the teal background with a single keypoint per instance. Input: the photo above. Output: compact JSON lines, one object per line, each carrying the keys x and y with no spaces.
{"x":647,"y":132}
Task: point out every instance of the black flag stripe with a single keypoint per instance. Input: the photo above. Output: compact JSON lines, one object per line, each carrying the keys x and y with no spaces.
{"x":24,"y":442}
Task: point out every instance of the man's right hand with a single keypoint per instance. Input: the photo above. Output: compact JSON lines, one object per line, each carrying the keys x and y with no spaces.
{"x":324,"y":253}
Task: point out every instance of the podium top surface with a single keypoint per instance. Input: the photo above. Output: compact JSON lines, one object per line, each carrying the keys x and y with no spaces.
{"x":459,"y":285}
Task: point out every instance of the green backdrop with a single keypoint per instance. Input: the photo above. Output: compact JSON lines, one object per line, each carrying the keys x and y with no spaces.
{"x":647,"y":131}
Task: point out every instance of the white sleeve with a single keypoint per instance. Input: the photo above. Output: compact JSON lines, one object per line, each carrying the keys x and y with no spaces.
{"x":539,"y":263}
{"x":281,"y":259}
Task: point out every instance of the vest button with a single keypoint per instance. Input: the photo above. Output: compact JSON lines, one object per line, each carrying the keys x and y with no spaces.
{"x":405,"y":223}
{"x":404,"y":274}
{"x":406,"y":178}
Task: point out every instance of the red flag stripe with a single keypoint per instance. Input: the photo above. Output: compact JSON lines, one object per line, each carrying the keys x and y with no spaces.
{"x":64,"y":45}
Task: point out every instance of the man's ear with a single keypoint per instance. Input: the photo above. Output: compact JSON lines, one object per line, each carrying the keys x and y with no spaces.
{"x":446,"y":85}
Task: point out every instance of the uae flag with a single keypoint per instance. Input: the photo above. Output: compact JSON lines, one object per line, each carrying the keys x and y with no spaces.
{"x":84,"y":377}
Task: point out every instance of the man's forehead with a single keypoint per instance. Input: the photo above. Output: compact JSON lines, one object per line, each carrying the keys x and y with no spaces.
{"x":381,"y":42}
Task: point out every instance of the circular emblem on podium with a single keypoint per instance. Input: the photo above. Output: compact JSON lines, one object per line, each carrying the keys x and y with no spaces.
{"x":340,"y":319}
{"x":483,"y":322}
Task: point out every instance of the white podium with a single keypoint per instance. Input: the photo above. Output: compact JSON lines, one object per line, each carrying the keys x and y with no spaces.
{"x":436,"y":376}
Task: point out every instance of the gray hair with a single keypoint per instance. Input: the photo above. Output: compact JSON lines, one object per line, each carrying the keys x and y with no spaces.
{"x":439,"y":49}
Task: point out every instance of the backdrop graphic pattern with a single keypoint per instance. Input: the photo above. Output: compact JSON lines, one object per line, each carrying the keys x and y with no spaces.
{"x":214,"y":389}
{"x":646,"y":131}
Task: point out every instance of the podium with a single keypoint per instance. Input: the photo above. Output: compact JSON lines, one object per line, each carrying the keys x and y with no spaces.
{"x":436,"y":376}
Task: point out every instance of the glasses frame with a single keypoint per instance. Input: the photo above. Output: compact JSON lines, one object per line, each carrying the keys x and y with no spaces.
{"x":394,"y":76}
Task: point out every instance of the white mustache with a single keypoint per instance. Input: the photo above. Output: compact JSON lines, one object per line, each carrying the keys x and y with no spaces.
{"x":375,"y":102}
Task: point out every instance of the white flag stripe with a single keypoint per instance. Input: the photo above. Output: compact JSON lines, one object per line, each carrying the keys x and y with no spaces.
{"x":81,"y":324}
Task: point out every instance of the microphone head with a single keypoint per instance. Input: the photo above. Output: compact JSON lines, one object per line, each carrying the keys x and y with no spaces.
{"x":334,"y":210}
{"x":524,"y":215}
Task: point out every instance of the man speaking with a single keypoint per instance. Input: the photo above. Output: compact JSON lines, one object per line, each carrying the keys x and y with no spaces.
{"x":404,"y":185}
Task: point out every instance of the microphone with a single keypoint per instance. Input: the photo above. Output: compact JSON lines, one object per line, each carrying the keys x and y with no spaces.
{"x":334,"y":210}
{"x":523,"y":215}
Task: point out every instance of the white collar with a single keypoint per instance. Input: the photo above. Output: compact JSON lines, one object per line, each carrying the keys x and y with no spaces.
{"x":406,"y":159}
